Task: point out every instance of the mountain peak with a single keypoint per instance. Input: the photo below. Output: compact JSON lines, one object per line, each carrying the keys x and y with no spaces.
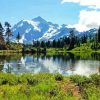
{"x":39,"y":19}
{"x":40,"y":29}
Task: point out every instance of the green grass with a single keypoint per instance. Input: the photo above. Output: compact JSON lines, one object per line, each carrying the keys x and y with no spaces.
{"x":6,"y":52}
{"x":34,"y":87}
{"x":15,"y":48}
{"x":12,"y":48}
{"x":89,"y":86}
{"x":83,"y":48}
{"x":45,"y":86}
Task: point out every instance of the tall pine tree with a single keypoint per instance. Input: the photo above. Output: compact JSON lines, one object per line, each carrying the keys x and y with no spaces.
{"x":72,"y":39}
{"x":8,"y":32}
{"x":99,"y":35}
{"x":18,"y":37}
{"x":2,"y":41}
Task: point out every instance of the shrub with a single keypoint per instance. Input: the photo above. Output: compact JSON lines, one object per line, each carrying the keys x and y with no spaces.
{"x":28,"y":79}
{"x":32,"y":81}
{"x":22,"y":80}
{"x":53,"y":92}
{"x":80,"y":80}
{"x":95,"y":79}
{"x":58,"y":77}
{"x":89,"y":87}
{"x":8,"y":79}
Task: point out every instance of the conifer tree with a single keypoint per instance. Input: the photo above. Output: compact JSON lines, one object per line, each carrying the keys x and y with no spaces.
{"x":99,"y":35}
{"x":2,"y":41}
{"x":18,"y":37}
{"x":72,"y":39}
{"x":8,"y":32}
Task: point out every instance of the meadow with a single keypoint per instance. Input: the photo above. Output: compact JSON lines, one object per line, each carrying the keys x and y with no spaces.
{"x":46,"y":86}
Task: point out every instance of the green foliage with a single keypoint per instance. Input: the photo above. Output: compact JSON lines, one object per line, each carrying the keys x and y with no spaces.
{"x":8,"y":79}
{"x":80,"y":80}
{"x":91,"y":92}
{"x":2,"y":42}
{"x":58,"y":77}
{"x":41,"y":86}
{"x":18,"y":37}
{"x":95,"y":79}
{"x":14,"y":46}
{"x":83,"y":48}
{"x":8,"y":32}
{"x":98,"y":35}
{"x":89,"y":86}
{"x":45,"y":86}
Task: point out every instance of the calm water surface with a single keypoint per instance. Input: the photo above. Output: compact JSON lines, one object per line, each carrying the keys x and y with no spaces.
{"x":64,"y":64}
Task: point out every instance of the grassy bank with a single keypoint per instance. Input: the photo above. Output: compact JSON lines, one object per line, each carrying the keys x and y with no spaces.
{"x":45,"y":86}
{"x":83,"y":48}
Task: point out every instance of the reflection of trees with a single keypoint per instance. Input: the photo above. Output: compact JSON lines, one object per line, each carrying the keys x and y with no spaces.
{"x":85,"y":56}
{"x":38,"y":56}
{"x":95,"y":56}
{"x":10,"y":57}
{"x":2,"y":59}
{"x":42,"y":57}
{"x":72,"y":56}
{"x":48,"y":57}
{"x":8,"y":68}
{"x":72,"y":61}
{"x":18,"y":66}
{"x":54,"y":58}
{"x":1,"y":67}
{"x":58,"y":58}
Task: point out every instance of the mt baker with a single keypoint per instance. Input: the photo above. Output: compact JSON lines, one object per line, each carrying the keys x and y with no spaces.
{"x":40,"y":29}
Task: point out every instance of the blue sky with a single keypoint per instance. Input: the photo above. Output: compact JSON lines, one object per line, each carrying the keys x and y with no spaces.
{"x":70,"y":12}
{"x":51,"y":10}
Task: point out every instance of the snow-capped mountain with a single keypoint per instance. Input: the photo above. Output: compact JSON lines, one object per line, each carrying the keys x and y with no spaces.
{"x":40,"y":29}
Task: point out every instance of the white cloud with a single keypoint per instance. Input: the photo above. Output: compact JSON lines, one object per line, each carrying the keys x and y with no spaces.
{"x":87,"y":20}
{"x":95,"y":4}
{"x":78,"y":27}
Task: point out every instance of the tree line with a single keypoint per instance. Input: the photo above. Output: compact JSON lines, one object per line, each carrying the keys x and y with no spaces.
{"x":5,"y":36}
{"x":68,"y":42}
{"x":71,"y":41}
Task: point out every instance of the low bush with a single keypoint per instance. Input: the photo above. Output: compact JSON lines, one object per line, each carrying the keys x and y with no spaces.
{"x":58,"y":77}
{"x":95,"y":79}
{"x":80,"y":80}
{"x":89,"y":86}
{"x":32,"y":81}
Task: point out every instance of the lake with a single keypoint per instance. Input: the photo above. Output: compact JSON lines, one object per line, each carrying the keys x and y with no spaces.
{"x":68,"y":64}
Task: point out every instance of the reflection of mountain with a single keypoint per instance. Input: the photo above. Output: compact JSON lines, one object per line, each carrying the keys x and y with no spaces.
{"x":86,"y":67}
{"x":53,"y":64}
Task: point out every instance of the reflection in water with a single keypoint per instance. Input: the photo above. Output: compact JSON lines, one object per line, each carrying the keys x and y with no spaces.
{"x":86,"y":67}
{"x":66,"y":65}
